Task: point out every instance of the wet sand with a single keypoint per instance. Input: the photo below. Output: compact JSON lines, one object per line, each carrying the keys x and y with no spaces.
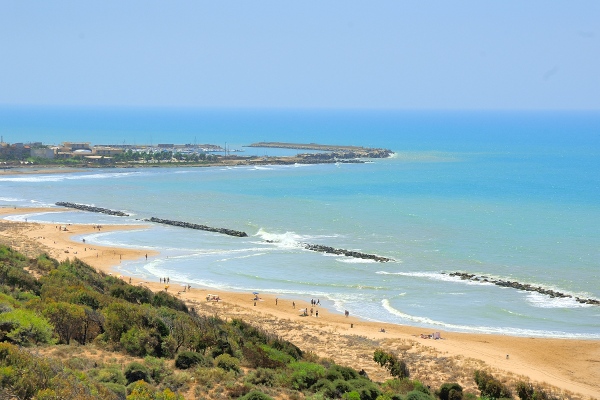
{"x":571,"y":365}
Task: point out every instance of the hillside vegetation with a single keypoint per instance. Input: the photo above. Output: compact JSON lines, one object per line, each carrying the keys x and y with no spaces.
{"x":69,"y":332}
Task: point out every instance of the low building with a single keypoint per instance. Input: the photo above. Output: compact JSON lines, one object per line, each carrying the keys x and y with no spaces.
{"x":42,"y":152}
{"x":106,"y":151}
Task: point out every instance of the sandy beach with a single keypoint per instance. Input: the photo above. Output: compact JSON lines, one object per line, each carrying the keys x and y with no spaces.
{"x":571,"y":365}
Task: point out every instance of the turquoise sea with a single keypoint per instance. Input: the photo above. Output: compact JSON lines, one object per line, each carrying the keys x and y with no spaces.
{"x":509,"y":195}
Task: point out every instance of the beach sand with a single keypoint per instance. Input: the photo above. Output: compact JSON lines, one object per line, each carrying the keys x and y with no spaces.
{"x":571,"y":365}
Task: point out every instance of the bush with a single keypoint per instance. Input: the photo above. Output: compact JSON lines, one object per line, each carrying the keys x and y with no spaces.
{"x":444,"y":392}
{"x":304,"y":374}
{"x":139,"y":342}
{"x":396,"y":367}
{"x":137,"y":372}
{"x":116,"y":388}
{"x":365,"y":388}
{"x":341,"y":386}
{"x":491,"y":387}
{"x":339,"y":371}
{"x":228,"y":363}
{"x":176,"y":381}
{"x":261,"y":376}
{"x":417,"y":395}
{"x":112,"y":374}
{"x":187,"y":359}
{"x":24,"y":327}
{"x":256,"y":395}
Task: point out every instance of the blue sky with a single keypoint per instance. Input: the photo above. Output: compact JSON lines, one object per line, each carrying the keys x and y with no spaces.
{"x":302,"y":54}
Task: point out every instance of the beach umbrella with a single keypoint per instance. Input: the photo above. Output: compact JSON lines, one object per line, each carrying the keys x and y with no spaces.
{"x":254,"y":292}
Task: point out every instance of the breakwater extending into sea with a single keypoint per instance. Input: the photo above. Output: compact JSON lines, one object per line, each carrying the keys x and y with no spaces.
{"x":85,"y":207}
{"x":522,"y":286}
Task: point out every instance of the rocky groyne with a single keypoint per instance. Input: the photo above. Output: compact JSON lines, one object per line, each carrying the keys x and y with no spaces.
{"x":342,"y":252}
{"x":85,"y":207}
{"x":200,"y":227}
{"x":520,"y":286}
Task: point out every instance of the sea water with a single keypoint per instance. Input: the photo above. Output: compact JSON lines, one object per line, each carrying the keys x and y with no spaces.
{"x":512,"y":196}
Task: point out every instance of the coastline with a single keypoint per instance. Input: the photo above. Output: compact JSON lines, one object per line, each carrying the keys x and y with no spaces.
{"x":565,"y":363}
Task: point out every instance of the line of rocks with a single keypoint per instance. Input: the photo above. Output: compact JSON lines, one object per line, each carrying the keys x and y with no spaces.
{"x":189,"y":225}
{"x":347,"y":253}
{"x":520,"y":286}
{"x":85,"y":207}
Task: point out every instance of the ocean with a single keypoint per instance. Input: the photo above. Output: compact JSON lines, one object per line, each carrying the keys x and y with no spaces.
{"x":508,"y":195}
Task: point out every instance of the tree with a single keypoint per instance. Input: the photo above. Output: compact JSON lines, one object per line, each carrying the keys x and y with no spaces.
{"x":491,"y":387}
{"x":389,"y":361}
{"x":67,"y":319}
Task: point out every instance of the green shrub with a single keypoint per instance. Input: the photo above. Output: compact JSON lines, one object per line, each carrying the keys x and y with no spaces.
{"x":491,"y":387}
{"x":256,"y":395}
{"x":341,"y":386}
{"x":187,"y":359}
{"x":118,"y":389}
{"x":227,"y":362}
{"x":137,"y":372}
{"x":365,"y":388}
{"x":209,"y":376}
{"x":261,"y":376}
{"x":157,"y":367}
{"x":304,"y":374}
{"x":351,"y":396}
{"x":339,"y":371}
{"x":24,"y":327}
{"x":111,"y":374}
{"x":417,"y":395}
{"x":389,"y":361}
{"x":444,"y":392}
{"x":177,"y":381}
{"x":139,"y":342}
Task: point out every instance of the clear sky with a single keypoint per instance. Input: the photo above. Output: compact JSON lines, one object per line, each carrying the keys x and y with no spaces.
{"x":509,"y":54}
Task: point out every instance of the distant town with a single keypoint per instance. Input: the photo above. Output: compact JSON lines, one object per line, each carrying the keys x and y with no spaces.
{"x":86,"y":154}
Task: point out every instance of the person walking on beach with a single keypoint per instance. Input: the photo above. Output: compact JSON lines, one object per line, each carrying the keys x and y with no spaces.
{"x":317,"y":313}
{"x":293,"y":304}
{"x":276,"y":300}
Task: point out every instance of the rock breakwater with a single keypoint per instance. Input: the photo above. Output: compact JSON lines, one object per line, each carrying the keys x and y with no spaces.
{"x":85,"y":207}
{"x":189,"y":225}
{"x":341,"y":252}
{"x":521,"y":286}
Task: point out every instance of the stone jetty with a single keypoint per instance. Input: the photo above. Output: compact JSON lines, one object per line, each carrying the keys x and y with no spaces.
{"x":85,"y":207}
{"x":189,"y":225}
{"x":521,"y":286}
{"x":343,"y":252}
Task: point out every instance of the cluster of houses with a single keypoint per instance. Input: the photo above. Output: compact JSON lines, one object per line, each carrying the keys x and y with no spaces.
{"x":66,"y":150}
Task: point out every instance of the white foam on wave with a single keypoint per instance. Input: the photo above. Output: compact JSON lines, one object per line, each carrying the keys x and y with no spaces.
{"x":10,"y":199}
{"x":288,"y":240}
{"x":352,"y":260}
{"x":484,"y":329}
{"x":543,"y":301}
{"x":30,"y":217}
{"x":242,"y":257}
{"x":60,"y":177}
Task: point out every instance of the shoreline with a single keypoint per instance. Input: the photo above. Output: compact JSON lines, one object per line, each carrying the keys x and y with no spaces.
{"x":570,"y":364}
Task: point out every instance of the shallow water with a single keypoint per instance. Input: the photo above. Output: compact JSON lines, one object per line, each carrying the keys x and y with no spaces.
{"x":507,"y":196}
